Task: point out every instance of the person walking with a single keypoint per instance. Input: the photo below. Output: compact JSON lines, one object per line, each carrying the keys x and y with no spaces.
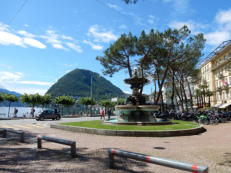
{"x":15,"y":112}
{"x":102,"y":114}
{"x":32,"y":112}
{"x":109,"y":113}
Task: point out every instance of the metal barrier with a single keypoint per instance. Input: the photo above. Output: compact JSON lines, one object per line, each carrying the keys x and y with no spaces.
{"x":21,"y":133}
{"x":3,"y":131}
{"x":159,"y":161}
{"x":57,"y":140}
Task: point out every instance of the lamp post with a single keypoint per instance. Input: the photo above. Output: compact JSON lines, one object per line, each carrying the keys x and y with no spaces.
{"x":91,"y":94}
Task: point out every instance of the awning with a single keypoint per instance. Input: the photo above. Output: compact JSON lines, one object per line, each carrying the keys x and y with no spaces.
{"x":217,"y":105}
{"x":224,"y":105}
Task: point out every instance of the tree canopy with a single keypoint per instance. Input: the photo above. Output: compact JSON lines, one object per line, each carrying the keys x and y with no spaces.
{"x":164,"y":56}
{"x":87,"y":101}
{"x":64,"y":100}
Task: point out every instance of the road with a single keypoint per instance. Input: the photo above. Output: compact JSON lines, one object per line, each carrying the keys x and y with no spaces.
{"x":29,"y":124}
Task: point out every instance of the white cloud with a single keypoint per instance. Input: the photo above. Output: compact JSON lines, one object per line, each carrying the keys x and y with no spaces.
{"x":25,"y":33}
{"x":34,"y":43}
{"x":59,"y":46}
{"x":179,"y":6}
{"x":66,"y":37}
{"x":7,"y":38}
{"x":5,"y":66}
{"x":93,"y":46}
{"x":101,"y":36}
{"x":222,"y":28}
{"x":224,"y":17}
{"x":217,"y":37}
{"x":193,"y":26}
{"x":151,"y":19}
{"x":127,"y":92}
{"x":57,"y":41}
{"x":51,"y":37}
{"x":28,"y":90}
{"x":35,"y":83}
{"x":123,"y":27}
{"x":68,"y":65}
{"x":10,"y":79}
{"x":178,"y":25}
{"x":4,"y":27}
{"x":75,"y":47}
{"x":113,"y":6}
{"x":6,"y":77}
{"x":67,"y":71}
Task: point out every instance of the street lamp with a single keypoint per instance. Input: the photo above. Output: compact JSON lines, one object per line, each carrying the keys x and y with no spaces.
{"x":91,"y":95}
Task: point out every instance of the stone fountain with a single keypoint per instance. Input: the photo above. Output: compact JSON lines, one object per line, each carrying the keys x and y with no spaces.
{"x":136,"y":111}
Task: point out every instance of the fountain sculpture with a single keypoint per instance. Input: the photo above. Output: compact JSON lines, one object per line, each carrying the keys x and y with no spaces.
{"x":136,"y":111}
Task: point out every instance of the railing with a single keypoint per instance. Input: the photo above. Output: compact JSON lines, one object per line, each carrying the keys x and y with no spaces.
{"x":19,"y":132}
{"x":156,"y":160}
{"x":57,"y":140}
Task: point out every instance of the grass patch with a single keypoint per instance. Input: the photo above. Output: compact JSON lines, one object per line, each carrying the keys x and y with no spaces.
{"x":177,"y":125}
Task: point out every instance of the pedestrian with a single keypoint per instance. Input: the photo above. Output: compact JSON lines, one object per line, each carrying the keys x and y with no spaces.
{"x":15,"y":112}
{"x":109,"y":113}
{"x":102,"y":114}
{"x":32,"y":112}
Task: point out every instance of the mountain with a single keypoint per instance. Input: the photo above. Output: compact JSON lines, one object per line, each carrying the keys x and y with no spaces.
{"x":6,"y":103}
{"x":77,"y":83}
{"x":5,"y":91}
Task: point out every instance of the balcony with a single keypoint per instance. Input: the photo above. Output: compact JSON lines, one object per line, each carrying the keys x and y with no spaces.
{"x":221,"y":76}
{"x":221,"y":63}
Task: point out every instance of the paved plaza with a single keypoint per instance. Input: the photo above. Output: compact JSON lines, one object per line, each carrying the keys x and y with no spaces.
{"x":211,"y":149}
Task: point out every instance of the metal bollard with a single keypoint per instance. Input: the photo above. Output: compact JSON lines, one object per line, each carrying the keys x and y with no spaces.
{"x":111,"y":159}
{"x":73,"y":149}
{"x":4,"y":133}
{"x":22,"y":137}
{"x":39,"y":142}
{"x":159,"y":161}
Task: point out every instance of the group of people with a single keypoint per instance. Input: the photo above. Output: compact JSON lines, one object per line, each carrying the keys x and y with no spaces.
{"x":102,"y":114}
{"x":24,"y":115}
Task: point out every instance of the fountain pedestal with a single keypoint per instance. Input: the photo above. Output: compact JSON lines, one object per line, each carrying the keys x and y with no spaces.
{"x":136,"y":111}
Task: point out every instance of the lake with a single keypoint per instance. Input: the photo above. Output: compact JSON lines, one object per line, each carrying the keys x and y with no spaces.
{"x":21,"y":111}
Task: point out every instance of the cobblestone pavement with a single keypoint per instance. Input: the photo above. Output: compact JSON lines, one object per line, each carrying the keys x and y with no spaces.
{"x":211,"y":148}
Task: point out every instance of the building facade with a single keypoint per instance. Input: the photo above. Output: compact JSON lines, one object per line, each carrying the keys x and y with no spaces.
{"x":216,"y":71}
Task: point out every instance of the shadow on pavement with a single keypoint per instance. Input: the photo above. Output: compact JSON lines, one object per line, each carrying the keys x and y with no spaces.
{"x":17,"y":158}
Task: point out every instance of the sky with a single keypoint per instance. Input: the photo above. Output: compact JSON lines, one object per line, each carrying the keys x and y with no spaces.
{"x":40,"y":41}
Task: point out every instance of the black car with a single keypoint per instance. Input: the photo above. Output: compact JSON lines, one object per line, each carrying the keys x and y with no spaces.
{"x":48,"y":114}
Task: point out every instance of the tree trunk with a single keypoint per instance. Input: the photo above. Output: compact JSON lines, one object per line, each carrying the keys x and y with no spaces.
{"x":190,"y":94}
{"x":209,"y":101}
{"x":160,"y":84}
{"x":173,"y":90}
{"x":185,"y":97}
{"x":154,"y":95}
{"x":162,"y":101}
{"x":198,"y":102}
{"x":180,"y":98}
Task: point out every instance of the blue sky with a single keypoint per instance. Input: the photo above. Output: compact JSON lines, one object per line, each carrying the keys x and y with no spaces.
{"x":40,"y":41}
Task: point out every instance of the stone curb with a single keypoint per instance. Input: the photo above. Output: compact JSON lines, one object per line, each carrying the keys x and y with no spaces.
{"x":186,"y":132}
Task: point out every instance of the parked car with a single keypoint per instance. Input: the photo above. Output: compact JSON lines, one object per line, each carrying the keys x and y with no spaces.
{"x":48,"y":114}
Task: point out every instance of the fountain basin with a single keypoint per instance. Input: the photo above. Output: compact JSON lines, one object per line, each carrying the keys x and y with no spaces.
{"x":137,"y":115}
